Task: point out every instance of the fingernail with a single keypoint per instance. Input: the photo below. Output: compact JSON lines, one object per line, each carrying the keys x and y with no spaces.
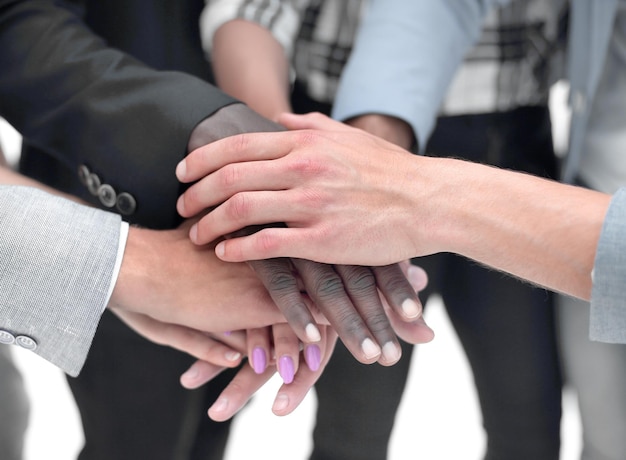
{"x":219,"y":249}
{"x":370,"y":349}
{"x":181,"y":169}
{"x":411,"y":308}
{"x":220,"y":405}
{"x":312,"y":355}
{"x":227,"y":333}
{"x":193,"y":233}
{"x":391,"y":352}
{"x":286,"y":369}
{"x":312,"y":333}
{"x":417,"y":277}
{"x":259,"y":360}
{"x":281,"y":402}
{"x":180,"y":205}
{"x":190,"y":374}
{"x":232,"y":355}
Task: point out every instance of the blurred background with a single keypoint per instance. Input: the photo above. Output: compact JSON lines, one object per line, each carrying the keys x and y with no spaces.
{"x":440,"y":398}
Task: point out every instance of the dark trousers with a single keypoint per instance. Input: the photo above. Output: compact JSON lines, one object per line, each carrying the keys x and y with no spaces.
{"x":136,"y":408}
{"x":506,"y":326}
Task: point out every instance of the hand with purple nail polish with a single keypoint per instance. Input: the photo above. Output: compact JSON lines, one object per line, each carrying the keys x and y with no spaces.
{"x":297,"y":379}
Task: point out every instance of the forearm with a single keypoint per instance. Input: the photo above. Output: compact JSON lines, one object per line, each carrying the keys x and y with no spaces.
{"x":536,"y":229}
{"x":251,"y":65}
{"x":404,"y":58}
{"x":524,"y":221}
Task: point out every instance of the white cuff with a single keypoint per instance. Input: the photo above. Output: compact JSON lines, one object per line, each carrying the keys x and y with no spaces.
{"x":118,"y":261}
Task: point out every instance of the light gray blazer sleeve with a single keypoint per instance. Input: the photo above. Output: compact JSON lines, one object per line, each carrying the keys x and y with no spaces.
{"x":608,"y":295}
{"x":58,"y":260}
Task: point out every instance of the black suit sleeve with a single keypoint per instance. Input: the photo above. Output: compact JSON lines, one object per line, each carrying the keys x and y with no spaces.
{"x":86,"y":104}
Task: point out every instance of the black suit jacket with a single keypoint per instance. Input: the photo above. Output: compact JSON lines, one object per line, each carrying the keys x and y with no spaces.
{"x":82,"y":104}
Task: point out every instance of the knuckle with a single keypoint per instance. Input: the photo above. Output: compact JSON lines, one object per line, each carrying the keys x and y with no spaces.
{"x":240,"y":142}
{"x":312,"y":198}
{"x":279,"y":279}
{"x":284,"y":341}
{"x":266,"y":241}
{"x":393,"y":281}
{"x":378,"y":323}
{"x":359,"y":279}
{"x":328,"y":284}
{"x":229,"y":176}
{"x":350,"y":324}
{"x":307,"y":167}
{"x":237,"y":207}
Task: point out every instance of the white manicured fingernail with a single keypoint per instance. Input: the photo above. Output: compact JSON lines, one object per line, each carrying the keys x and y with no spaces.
{"x":312,"y":333}
{"x":411,"y":308}
{"x":370,"y":349}
{"x":391,"y":352}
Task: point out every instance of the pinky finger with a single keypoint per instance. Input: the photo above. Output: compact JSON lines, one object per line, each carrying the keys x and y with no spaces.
{"x":199,"y":373}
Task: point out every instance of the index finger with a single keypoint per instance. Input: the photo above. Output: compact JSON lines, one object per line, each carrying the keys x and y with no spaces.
{"x":241,"y":147}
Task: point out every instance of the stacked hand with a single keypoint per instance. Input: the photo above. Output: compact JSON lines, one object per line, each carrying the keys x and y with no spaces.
{"x":367,"y":307}
{"x":179,"y":294}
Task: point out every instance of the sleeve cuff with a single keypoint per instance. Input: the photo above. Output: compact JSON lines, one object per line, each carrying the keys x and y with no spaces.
{"x":608,"y":295}
{"x":118,"y":262}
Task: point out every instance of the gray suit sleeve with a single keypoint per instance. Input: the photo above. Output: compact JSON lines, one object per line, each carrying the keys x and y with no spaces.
{"x":608,"y":295}
{"x":58,"y":260}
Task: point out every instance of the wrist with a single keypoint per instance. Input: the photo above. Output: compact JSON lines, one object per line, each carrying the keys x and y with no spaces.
{"x":133,"y":269}
{"x":392,"y":129}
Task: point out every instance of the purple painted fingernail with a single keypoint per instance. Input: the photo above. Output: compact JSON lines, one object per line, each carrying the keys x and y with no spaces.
{"x":286,"y":369}
{"x":259,"y":361}
{"x":312,"y":355}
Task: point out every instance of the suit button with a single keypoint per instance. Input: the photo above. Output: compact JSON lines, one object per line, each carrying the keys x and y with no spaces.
{"x":107,"y":195}
{"x":126,"y":203}
{"x":83,"y":174}
{"x":6,"y":337}
{"x":93,"y":184}
{"x":26,"y":342}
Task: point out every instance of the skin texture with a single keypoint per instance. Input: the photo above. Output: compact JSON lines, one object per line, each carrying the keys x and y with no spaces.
{"x":345,"y":195}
